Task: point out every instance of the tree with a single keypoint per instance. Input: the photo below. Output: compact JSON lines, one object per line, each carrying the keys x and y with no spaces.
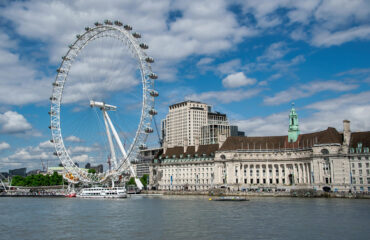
{"x":145,"y":179}
{"x":91,"y":170}
{"x":131,"y":181}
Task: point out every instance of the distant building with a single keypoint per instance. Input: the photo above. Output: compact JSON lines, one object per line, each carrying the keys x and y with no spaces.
{"x":4,"y":175}
{"x":98,"y":168}
{"x":191,"y":123}
{"x":18,"y":172}
{"x":34,"y":172}
{"x":146,"y":157}
{"x":183,"y":122}
{"x":326,"y":159}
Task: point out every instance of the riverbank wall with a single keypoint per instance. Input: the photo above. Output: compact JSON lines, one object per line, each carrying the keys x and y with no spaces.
{"x":301,"y":193}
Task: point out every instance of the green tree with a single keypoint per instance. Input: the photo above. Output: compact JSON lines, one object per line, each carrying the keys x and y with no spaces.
{"x":91,"y":170}
{"x":145,"y":179}
{"x":131,"y":181}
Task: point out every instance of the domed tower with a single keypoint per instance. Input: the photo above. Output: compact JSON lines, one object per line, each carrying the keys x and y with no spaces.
{"x":293,"y":131}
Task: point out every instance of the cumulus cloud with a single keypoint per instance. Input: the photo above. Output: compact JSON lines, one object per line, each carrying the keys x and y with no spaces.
{"x":328,"y":113}
{"x":237,"y":80}
{"x":73,"y":139}
{"x":324,"y":38}
{"x":307,"y":90}
{"x":13,"y":123}
{"x":224,"y":96}
{"x":4,"y":145}
{"x":321,"y":23}
{"x":274,"y":51}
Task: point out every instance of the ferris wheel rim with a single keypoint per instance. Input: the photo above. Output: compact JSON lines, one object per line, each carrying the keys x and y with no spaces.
{"x":122,"y":33}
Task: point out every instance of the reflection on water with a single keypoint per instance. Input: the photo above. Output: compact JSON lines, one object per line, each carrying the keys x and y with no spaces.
{"x":183,"y":217}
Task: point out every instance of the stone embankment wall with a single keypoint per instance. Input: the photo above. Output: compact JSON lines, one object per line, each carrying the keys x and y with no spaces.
{"x":303,"y":193}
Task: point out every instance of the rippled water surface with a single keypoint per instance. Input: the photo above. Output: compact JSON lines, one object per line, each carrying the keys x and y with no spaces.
{"x":178,"y":217}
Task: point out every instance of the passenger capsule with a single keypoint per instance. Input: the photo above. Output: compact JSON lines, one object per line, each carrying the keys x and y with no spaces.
{"x":144,"y":46}
{"x":98,"y":24}
{"x":55,"y":153}
{"x":154,"y":93}
{"x":148,"y":130}
{"x":60,"y":70}
{"x":51,"y":113}
{"x":51,"y":140}
{"x":55,"y":84}
{"x":87,"y":29}
{"x":136,"y":35}
{"x":128,"y":27}
{"x":153,"y":76}
{"x":53,"y":98}
{"x":153,"y":112}
{"x":118,"y":23}
{"x":65,"y":58}
{"x":149,"y":60}
{"x":107,"y":22}
{"x":78,"y":36}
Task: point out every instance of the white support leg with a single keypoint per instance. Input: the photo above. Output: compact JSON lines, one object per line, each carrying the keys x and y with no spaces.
{"x":116,"y":137}
{"x":113,"y":153}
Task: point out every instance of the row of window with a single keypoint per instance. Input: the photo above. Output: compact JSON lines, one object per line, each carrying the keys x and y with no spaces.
{"x":360,"y":180}
{"x":360,"y":165}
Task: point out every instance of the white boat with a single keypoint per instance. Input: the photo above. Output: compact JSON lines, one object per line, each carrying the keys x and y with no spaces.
{"x":103,"y":192}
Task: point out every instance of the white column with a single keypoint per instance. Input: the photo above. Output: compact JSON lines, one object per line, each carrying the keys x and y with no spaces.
{"x":280,"y":174}
{"x":295,"y":173}
{"x":286,"y":174}
{"x":273,"y":174}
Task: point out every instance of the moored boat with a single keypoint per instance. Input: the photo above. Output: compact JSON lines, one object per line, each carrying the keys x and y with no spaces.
{"x":103,"y":192}
{"x":229,"y":198}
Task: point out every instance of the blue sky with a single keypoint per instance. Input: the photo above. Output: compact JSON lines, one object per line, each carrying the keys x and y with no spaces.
{"x":249,"y":59}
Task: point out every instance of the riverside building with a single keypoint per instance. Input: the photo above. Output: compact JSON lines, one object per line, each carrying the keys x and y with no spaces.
{"x":329,"y":159}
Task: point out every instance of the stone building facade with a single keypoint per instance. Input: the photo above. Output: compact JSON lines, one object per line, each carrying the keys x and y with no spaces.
{"x":321,"y":160}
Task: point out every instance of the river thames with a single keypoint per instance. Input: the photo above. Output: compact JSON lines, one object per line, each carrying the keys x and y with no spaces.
{"x":183,"y":217}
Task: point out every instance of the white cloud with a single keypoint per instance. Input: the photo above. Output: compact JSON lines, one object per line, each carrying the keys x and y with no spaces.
{"x":321,"y":23}
{"x":204,"y":61}
{"x":237,"y":80}
{"x":73,"y":139}
{"x":4,"y":145}
{"x":13,"y":123}
{"x":325,"y":38}
{"x":274,"y":51}
{"x":307,"y":90}
{"x":328,"y":113}
{"x":81,"y":158}
{"x":198,"y":30}
{"x":229,"y":67}
{"x":224,"y":96}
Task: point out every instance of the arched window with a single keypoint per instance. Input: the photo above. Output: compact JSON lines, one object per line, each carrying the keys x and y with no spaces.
{"x":325,"y":151}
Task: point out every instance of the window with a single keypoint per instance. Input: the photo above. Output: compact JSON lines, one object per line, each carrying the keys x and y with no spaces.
{"x":360,"y":165}
{"x":367,"y":165}
{"x":353,"y":165}
{"x":361,"y":181}
{"x":354,"y":180}
{"x":353,"y":172}
{"x":360,"y":172}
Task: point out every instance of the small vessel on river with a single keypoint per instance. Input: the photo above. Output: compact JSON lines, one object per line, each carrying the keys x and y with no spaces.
{"x":103,"y":192}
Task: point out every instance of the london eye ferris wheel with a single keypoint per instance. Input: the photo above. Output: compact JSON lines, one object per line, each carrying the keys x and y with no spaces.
{"x":103,"y":102}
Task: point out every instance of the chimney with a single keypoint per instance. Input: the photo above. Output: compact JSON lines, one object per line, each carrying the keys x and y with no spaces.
{"x":185,"y":145}
{"x":221,"y":140}
{"x":165,"y":147}
{"x":196,"y":141}
{"x":346,"y":132}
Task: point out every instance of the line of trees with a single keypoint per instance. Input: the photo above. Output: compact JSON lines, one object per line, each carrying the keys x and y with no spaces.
{"x":144,"y":180}
{"x":38,"y":180}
